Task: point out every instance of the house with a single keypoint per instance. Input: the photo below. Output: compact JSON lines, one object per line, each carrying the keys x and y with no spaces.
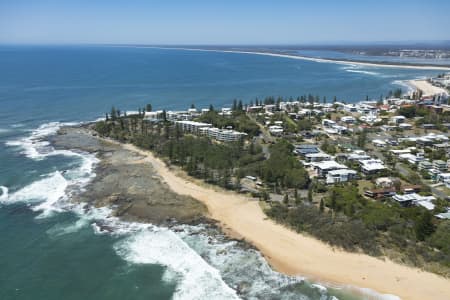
{"x":340,"y":129}
{"x":379,"y":143}
{"x":440,"y":165}
{"x":428,"y":126}
{"x":443,"y":146}
{"x":316,"y":157}
{"x":276,"y":130}
{"x":323,"y":167}
{"x":371,"y":166}
{"x":192,"y":126}
{"x":348,"y":120}
{"x":425,"y":165}
{"x":445,"y":215}
{"x":350,"y":107}
{"x":328,"y":123}
{"x":443,"y":177}
{"x":302,"y":150}
{"x":153,"y":116}
{"x":405,"y":126}
{"x":398,"y":152}
{"x":411,"y":158}
{"x":398,"y":120}
{"x":380,"y":193}
{"x":416,"y":199}
{"x":384,"y":182}
{"x":341,"y":175}
{"x":388,"y":128}
{"x":225,"y":135}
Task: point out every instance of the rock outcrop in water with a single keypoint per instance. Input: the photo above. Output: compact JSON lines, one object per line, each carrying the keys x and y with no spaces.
{"x":127,"y":183}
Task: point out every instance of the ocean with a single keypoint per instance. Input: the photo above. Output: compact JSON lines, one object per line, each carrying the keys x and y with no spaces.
{"x":53,"y":249}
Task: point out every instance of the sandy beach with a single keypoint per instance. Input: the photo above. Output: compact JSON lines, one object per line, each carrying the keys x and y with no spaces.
{"x":427,"y":88}
{"x":296,"y":254}
{"x":321,"y":60}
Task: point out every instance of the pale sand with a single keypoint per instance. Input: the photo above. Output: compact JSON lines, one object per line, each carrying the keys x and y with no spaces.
{"x":296,"y":254}
{"x":321,"y":60}
{"x":427,"y":88}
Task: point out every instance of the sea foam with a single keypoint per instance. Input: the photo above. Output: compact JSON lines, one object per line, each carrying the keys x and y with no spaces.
{"x":4,"y":194}
{"x":198,"y":280}
{"x":51,"y":192}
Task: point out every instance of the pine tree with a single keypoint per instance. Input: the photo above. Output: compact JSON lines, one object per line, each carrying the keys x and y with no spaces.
{"x":286,"y":199}
{"x":322,"y":205}
{"x":424,"y":226}
{"x":310,"y":193}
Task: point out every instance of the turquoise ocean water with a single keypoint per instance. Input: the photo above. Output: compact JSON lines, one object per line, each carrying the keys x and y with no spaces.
{"x":50,"y":249}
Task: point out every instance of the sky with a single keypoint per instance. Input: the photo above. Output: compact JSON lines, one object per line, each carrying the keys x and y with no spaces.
{"x":222,"y":22}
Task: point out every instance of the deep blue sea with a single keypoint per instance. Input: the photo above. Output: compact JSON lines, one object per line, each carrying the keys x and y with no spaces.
{"x":51,"y":249}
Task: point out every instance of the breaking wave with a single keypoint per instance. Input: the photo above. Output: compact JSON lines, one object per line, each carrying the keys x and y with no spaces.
{"x":198,"y":280}
{"x":201,"y":260}
{"x":50,"y":193}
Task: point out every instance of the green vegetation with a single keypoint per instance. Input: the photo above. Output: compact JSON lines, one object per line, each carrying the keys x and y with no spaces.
{"x":238,"y":121}
{"x":217,"y":163}
{"x":346,"y":219}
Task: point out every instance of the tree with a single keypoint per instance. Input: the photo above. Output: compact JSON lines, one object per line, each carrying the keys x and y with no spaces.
{"x":333,"y":199}
{"x":362,"y":138}
{"x":239,"y":106}
{"x":234,"y":107}
{"x":286,"y":199}
{"x":148,"y":107}
{"x":113,"y":113}
{"x":322,"y":205}
{"x":424,"y":226}
{"x":192,"y":105}
{"x":211,"y":107}
{"x":310,"y":193}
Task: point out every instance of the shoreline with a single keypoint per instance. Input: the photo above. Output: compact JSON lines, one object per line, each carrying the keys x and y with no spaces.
{"x":427,"y":88}
{"x":292,"y":253}
{"x":307,"y":58}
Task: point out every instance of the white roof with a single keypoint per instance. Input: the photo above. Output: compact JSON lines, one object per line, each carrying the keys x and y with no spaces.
{"x":330,"y":164}
{"x":320,"y":154}
{"x":194,"y":123}
{"x":342,"y":172}
{"x":379,"y":142}
{"x":372,"y":164}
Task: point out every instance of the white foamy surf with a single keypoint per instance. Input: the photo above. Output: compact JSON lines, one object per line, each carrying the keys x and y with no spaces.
{"x":36,"y":147}
{"x":50,"y":193}
{"x":4,"y":194}
{"x":203,"y":265}
{"x":198,"y":280}
{"x":357,"y":69}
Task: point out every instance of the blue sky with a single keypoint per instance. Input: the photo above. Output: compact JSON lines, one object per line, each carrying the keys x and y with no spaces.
{"x":222,"y":22}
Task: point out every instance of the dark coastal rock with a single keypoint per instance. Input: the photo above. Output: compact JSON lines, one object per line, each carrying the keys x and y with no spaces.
{"x":128,"y":184}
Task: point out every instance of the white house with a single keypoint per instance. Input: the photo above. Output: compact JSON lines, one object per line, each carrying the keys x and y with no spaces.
{"x":276,"y":130}
{"x":371,"y":166}
{"x":416,"y":199}
{"x":341,"y":175}
{"x":348,"y":119}
{"x":398,"y":119}
{"x":323,"y":167}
